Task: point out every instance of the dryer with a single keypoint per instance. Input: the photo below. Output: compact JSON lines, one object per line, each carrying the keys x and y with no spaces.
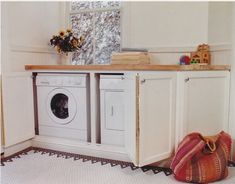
{"x":63,"y":105}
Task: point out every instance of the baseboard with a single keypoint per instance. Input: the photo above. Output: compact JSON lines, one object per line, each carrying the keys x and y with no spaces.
{"x":83,"y":148}
{"x":16,"y":148}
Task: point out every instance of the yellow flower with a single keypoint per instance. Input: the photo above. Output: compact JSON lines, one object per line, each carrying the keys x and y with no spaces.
{"x":68,"y":30}
{"x":62,"y":33}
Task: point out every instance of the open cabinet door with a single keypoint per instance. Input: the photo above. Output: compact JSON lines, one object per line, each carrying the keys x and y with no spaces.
{"x":157,"y":96}
{"x":18,"y":110}
{"x":131,"y":118}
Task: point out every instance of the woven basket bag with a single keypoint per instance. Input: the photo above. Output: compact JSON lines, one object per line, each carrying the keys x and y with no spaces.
{"x":200,"y":159}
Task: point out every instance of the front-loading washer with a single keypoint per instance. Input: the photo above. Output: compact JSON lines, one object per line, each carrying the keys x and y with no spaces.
{"x":63,"y":105}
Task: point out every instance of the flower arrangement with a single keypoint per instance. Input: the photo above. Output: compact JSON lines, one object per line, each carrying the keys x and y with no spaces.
{"x":66,"y":42}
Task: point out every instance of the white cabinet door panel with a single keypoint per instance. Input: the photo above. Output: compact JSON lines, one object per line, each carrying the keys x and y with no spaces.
{"x":18,"y":110}
{"x":157,"y":95}
{"x":131,"y":131}
{"x":204,"y":98}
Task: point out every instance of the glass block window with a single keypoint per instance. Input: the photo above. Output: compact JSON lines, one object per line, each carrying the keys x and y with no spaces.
{"x":99,"y":23}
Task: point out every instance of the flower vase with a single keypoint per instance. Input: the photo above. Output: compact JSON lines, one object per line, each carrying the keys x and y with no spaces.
{"x":65,"y":59}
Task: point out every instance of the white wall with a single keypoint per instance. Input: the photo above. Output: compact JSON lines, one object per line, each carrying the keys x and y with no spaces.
{"x":219,"y":22}
{"x":171,"y":29}
{"x":153,"y":24}
{"x":27,"y":28}
{"x":219,"y":31}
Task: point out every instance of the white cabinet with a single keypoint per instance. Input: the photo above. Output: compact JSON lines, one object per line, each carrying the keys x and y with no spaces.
{"x":203,"y":101}
{"x":162,"y":107}
{"x":151,"y":128}
{"x":18,"y":111}
{"x":112,"y":109}
{"x":146,"y":112}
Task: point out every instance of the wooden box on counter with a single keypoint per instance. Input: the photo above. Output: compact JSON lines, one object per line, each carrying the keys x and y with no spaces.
{"x":130,"y":58}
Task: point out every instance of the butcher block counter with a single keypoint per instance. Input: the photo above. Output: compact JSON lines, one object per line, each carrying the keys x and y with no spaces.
{"x":126,"y":67}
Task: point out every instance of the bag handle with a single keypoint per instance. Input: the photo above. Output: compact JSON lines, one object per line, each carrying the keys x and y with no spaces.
{"x":211,"y":142}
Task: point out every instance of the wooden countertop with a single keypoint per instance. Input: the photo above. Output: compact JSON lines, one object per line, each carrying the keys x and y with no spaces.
{"x":147,"y":67}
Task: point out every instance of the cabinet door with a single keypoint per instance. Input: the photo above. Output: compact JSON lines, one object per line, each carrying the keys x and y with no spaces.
{"x":131,"y":103}
{"x":18,"y":111}
{"x":204,"y":102}
{"x":157,"y":96}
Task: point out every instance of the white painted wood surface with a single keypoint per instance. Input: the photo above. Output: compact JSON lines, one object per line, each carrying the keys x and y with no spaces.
{"x":18,"y":107}
{"x":94,"y":109}
{"x":78,"y":147}
{"x":203,"y":102}
{"x":131,"y":80}
{"x":157,"y":97}
{"x":17,"y":147}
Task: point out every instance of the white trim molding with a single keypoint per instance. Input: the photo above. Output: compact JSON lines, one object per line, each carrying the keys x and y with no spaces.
{"x":221,"y":47}
{"x":84,"y":148}
{"x":232,"y":88}
{"x":159,"y":49}
{"x":31,"y":49}
{"x":185,"y":49}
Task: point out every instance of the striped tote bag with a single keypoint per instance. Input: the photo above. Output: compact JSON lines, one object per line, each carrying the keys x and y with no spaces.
{"x":201,"y":159}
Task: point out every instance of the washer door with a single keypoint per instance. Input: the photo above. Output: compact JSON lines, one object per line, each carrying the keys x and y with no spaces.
{"x":61,"y":106}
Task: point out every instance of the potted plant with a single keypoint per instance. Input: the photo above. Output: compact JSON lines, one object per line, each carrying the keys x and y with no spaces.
{"x":66,"y":43}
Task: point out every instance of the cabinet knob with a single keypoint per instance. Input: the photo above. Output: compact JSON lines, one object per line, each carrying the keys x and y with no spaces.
{"x":143,"y":81}
{"x":186,"y":80}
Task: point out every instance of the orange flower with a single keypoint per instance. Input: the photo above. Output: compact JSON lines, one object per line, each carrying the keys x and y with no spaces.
{"x":58,"y":49}
{"x":62,"y":33}
{"x":69,"y":30}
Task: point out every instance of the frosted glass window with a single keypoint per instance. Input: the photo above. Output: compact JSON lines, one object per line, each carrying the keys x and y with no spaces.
{"x":82,"y":24}
{"x":99,"y":23}
{"x":106,"y":4}
{"x":107,"y":35}
{"x":81,"y":5}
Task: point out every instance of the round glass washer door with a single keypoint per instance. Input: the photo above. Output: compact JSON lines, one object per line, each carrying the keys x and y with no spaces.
{"x":61,"y":106}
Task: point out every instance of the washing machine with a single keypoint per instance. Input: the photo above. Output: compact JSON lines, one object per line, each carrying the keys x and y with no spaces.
{"x":63,"y":105}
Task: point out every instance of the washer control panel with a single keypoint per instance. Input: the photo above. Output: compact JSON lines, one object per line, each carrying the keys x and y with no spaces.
{"x":76,"y":80}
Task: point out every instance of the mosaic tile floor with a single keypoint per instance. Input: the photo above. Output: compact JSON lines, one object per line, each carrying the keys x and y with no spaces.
{"x":41,"y":167}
